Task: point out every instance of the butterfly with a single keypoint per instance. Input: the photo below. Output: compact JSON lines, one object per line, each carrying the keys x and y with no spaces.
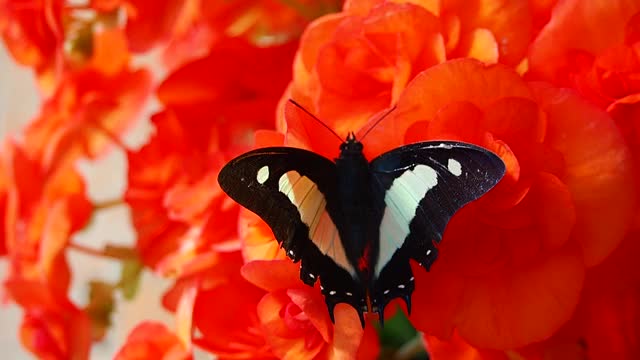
{"x":354,"y":224}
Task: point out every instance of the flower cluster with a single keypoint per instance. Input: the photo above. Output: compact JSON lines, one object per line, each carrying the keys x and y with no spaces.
{"x":543,"y":266}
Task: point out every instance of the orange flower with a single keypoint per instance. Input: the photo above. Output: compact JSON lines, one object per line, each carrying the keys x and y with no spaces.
{"x":40,"y":216}
{"x":150,"y":340}
{"x":274,"y":315}
{"x":604,"y":325}
{"x":606,"y":322}
{"x":213,"y":106}
{"x":33,"y":32}
{"x":526,"y":244}
{"x":86,"y":114}
{"x":51,"y":328}
{"x":541,"y":10}
{"x":356,"y":63}
{"x":594,"y":47}
{"x":227,"y":320}
{"x":295,"y":318}
{"x":564,"y":205}
{"x":147,"y":22}
{"x":456,"y":348}
{"x":55,"y":38}
{"x":265,"y":22}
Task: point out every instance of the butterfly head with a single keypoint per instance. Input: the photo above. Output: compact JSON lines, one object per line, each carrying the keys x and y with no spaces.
{"x":351,"y":146}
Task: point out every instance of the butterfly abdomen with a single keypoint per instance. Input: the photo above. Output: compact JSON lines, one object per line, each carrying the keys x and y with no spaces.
{"x":356,"y":227}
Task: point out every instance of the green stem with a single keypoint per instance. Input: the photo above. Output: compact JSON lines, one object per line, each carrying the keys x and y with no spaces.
{"x":410,"y":349}
{"x":109,"y":251}
{"x":108,"y":204}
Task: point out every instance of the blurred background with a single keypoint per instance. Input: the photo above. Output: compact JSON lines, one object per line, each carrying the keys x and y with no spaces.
{"x":19,"y":102}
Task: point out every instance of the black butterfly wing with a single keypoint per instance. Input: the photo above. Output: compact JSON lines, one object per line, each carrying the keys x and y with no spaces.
{"x":418,"y":188}
{"x":293,"y":191}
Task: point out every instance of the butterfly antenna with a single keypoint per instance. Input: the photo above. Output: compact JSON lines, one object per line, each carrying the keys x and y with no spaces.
{"x":315,"y":118}
{"x":378,"y":121}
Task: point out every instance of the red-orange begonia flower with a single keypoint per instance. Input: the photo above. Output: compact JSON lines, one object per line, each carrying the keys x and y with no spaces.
{"x":606,"y":323}
{"x":86,"y":114}
{"x":274,"y":315}
{"x":44,"y":207}
{"x":512,"y":264}
{"x":52,"y":328}
{"x":353,"y":64}
{"x":33,"y":32}
{"x":212,"y":107}
{"x":264,"y":23}
{"x":151,"y":340}
{"x":55,"y":38}
{"x":41,"y":216}
{"x":591,"y":46}
{"x":148,"y":22}
{"x":594,"y":47}
{"x":295,"y":318}
{"x":564,"y":204}
{"x":456,"y":348}
{"x":227,"y":321}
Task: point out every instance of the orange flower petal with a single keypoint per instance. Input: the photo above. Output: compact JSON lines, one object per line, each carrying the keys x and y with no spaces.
{"x":598,"y":171}
{"x":483,"y":46}
{"x":458,"y":81}
{"x":590,"y":26}
{"x":258,"y":241}
{"x":549,"y":290}
{"x":152,"y":340}
{"x":273,"y":275}
{"x":286,"y":343}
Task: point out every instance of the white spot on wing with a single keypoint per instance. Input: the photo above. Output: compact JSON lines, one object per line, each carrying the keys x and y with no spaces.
{"x":263,"y":174}
{"x":310,"y":202}
{"x":454,"y":167}
{"x":402,"y":200}
{"x":332,"y":292}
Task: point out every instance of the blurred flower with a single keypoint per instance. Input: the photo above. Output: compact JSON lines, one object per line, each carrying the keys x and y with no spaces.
{"x":41,"y":216}
{"x":52,"y":327}
{"x":151,"y":340}
{"x":55,"y":38}
{"x":212,"y":108}
{"x":33,"y":33}
{"x":44,"y":207}
{"x":86,"y":115}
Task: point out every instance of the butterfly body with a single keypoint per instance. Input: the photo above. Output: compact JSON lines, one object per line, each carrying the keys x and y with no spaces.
{"x":354,"y":224}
